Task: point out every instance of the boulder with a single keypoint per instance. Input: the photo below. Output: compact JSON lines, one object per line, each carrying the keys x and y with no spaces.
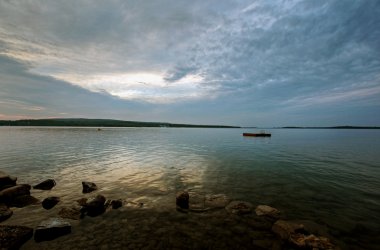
{"x":73,"y":213}
{"x":88,"y":187}
{"x":95,"y":206}
{"x":264,"y":210}
{"x":6,"y":181}
{"x":310,"y":241}
{"x":182,"y":200}
{"x":45,"y":185}
{"x":23,"y":201}
{"x":5,"y":212}
{"x":239,"y":207}
{"x":50,"y":202}
{"x":13,"y":237}
{"x":8,"y":194}
{"x":51,"y":229}
{"x":116,"y":203}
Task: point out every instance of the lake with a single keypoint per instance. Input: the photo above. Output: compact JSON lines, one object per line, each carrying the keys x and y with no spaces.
{"x":329,"y":176}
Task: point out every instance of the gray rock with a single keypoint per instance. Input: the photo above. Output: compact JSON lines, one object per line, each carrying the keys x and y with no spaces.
{"x":5,"y":212}
{"x":239,"y":207}
{"x":6,"y":181}
{"x":88,"y":187}
{"x":50,"y":202}
{"x":8,"y":194}
{"x":45,"y":185}
{"x":51,"y":229}
{"x":182,"y":200}
{"x":13,"y":237}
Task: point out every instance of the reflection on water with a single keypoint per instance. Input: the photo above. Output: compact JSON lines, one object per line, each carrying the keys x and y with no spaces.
{"x":328,"y":176}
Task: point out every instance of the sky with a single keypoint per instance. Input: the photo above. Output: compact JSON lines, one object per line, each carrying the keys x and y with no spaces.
{"x":244,"y":63}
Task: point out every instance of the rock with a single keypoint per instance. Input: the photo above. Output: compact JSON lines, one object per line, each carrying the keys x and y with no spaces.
{"x":82,"y":201}
{"x":5,"y":212}
{"x":8,"y":194}
{"x":88,"y":187}
{"x":13,"y":237}
{"x":50,"y":202}
{"x":51,"y":229}
{"x":73,"y":213}
{"x":216,"y":201}
{"x":264,"y":210}
{"x":182,"y":200}
{"x":6,"y":181}
{"x":284,"y":229}
{"x":310,"y":241}
{"x":95,"y":206}
{"x":239,"y":207}
{"x":23,"y":201}
{"x":45,"y":185}
{"x":116,"y":203}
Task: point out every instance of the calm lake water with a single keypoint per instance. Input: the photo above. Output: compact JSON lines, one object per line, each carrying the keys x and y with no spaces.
{"x":329,"y":176}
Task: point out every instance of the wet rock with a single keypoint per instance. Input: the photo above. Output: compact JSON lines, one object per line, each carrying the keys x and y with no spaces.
{"x":73,"y":213}
{"x":182,"y":200}
{"x":239,"y":207}
{"x":95,"y":206}
{"x":13,"y":237}
{"x":82,"y":201}
{"x":45,"y":185}
{"x":284,"y":229}
{"x":6,"y":181}
{"x":5,"y":212}
{"x":310,"y":241}
{"x":51,"y":229}
{"x":23,"y":201}
{"x":50,"y":202}
{"x":264,"y":210}
{"x":8,"y":194}
{"x":88,"y":187}
{"x":216,"y":201}
{"x":116,"y":203}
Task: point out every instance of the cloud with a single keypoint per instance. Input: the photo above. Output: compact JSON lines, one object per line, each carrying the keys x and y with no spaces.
{"x":229,"y":56}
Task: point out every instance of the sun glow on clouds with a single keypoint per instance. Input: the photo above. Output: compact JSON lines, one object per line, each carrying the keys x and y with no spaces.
{"x":143,"y":86}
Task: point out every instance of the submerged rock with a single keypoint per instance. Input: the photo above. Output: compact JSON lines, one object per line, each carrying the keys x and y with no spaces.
{"x":239,"y":207}
{"x":216,"y":201}
{"x":23,"y":201}
{"x":6,"y":181}
{"x":13,"y":237}
{"x":82,"y":201}
{"x":284,"y":229}
{"x":95,"y":206}
{"x":8,"y":194}
{"x":310,"y":241}
{"x":51,"y":229}
{"x":45,"y":185}
{"x":116,"y":203}
{"x":5,"y":212}
{"x":182,"y":200}
{"x":73,"y":213}
{"x":50,"y":202}
{"x":88,"y":187}
{"x":264,"y":210}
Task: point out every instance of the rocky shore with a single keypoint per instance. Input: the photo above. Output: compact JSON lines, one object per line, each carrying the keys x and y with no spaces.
{"x":196,"y":221}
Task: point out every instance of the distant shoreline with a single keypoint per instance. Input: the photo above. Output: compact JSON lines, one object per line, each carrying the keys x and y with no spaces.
{"x":83,"y":122}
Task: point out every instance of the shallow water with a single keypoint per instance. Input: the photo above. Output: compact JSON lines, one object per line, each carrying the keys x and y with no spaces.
{"x":329,"y":176}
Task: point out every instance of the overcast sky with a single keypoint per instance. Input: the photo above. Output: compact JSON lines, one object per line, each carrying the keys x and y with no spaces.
{"x":247,"y":63}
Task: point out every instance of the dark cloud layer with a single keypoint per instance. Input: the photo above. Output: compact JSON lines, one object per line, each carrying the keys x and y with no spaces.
{"x":231,"y":62}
